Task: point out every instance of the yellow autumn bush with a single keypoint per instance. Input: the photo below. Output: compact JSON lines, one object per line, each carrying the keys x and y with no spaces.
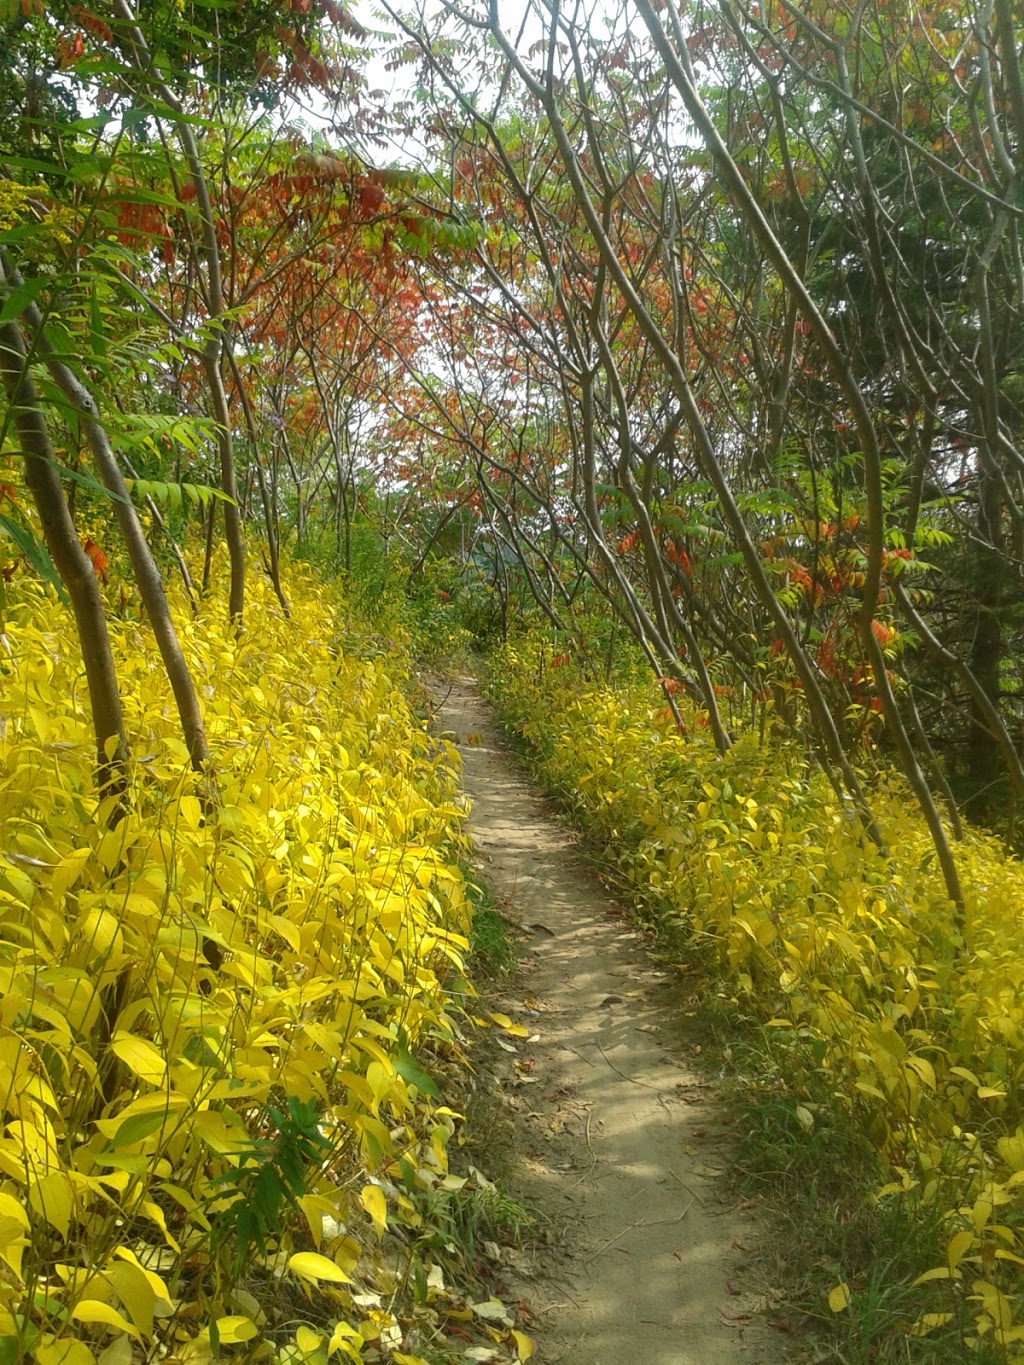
{"x":217,"y":1017}
{"x":914,"y":1019}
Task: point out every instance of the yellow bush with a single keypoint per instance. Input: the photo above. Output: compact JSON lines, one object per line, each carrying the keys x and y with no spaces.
{"x":209,"y":1100}
{"x":915,"y":1021}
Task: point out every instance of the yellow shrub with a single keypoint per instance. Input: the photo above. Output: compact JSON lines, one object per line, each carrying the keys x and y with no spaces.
{"x":208,"y":1009}
{"x":917,"y":1025}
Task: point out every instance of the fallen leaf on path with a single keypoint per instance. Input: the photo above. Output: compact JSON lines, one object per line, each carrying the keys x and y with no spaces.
{"x":524,"y":1346}
{"x":730,"y":1288}
{"x":492,"y":1310}
{"x":504,"y":1022}
{"x":737,"y":1318}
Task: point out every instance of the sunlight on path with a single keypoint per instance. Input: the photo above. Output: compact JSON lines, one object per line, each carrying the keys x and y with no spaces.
{"x":617,"y":1146}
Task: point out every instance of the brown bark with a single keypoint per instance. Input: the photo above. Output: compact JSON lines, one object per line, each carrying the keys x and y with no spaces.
{"x":70,"y":559}
{"x":138,"y":53}
{"x":144,"y":566}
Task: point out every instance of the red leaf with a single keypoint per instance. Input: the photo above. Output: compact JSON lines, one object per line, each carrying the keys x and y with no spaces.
{"x":98,"y":559}
{"x":370,"y":198}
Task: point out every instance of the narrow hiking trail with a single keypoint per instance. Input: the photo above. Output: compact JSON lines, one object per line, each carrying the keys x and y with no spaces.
{"x":617,"y":1141}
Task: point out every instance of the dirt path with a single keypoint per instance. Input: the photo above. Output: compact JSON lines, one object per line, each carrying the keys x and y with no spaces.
{"x":617,"y":1138}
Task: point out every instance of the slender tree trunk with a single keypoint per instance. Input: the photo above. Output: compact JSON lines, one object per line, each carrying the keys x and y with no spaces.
{"x":676,"y":56}
{"x":138,"y":53}
{"x":72,"y":563}
{"x":269,"y":516}
{"x":210,"y":529}
{"x":986,"y":645}
{"x":147,"y":574}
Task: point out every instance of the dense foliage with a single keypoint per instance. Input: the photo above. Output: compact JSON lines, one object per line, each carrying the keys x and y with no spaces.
{"x":694,"y":333}
{"x":908,"y":1017}
{"x":220,"y":1014}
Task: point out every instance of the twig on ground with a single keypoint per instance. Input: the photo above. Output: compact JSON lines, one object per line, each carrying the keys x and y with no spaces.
{"x":644,"y":1223}
{"x":646,"y":1084}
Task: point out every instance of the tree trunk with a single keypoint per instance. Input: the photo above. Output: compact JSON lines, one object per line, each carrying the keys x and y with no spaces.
{"x":147,"y":574}
{"x":986,"y":648}
{"x":72,"y":563}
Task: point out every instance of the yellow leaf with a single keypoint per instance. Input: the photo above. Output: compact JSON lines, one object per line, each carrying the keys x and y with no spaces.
{"x":13,"y":1227}
{"x":136,"y":1292}
{"x":839,"y":1298}
{"x":57,"y":1351}
{"x":524,"y":1345}
{"x":307,"y":1340}
{"x":191,"y":812}
{"x":924,"y":1069}
{"x":11,"y":1208}
{"x":119,"y":1352}
{"x":965,"y":1074}
{"x":958,"y":1247}
{"x":52,"y":1198}
{"x":156,"y":1213}
{"x":317,"y":1207}
{"x":504,"y":1022}
{"x":492,"y":1310}
{"x":161,"y":1293}
{"x":375,"y":1204}
{"x":310,"y":1265}
{"x":93,"y":1311}
{"x":101,"y":932}
{"x":232,"y":1330}
{"x":68,"y":871}
{"x":939,"y":1272}
{"x":140,"y":1057}
{"x":927,"y":1322}
{"x":1011,"y":1149}
{"x":345,"y":1338}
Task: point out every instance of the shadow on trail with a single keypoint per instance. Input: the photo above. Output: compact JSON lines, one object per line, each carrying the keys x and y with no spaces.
{"x":612,"y":1147}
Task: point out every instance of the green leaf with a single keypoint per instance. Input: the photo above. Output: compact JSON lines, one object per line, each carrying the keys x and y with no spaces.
{"x":413,"y":1074}
{"x":35,"y":553}
{"x":20,"y":297}
{"x":137,"y":1127}
{"x":87,"y":481}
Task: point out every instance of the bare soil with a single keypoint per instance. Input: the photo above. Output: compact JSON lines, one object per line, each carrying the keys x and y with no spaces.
{"x":619,"y":1144}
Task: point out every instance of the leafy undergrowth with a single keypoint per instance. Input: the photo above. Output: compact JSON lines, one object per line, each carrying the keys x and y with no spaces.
{"x":890,"y":1078}
{"x":225,"y":1022}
